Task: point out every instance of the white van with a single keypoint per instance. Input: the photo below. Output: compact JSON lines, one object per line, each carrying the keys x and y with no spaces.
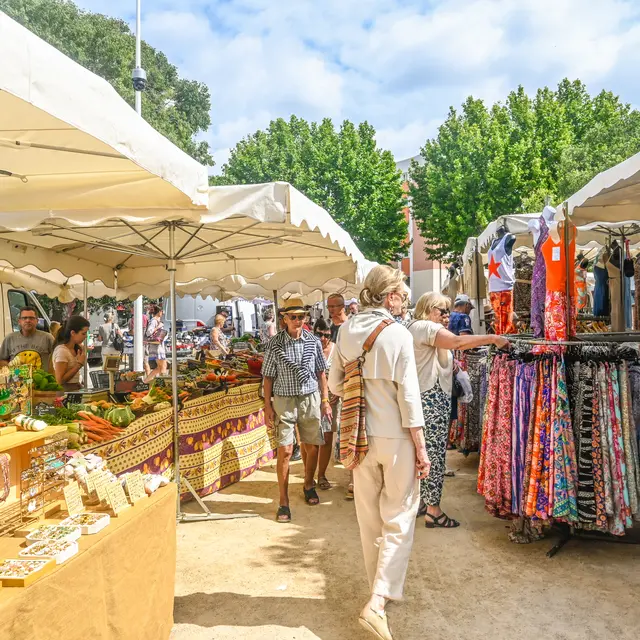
{"x":12,"y":299}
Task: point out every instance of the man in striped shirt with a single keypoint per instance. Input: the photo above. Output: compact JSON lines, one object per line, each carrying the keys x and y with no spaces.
{"x":295,"y":393}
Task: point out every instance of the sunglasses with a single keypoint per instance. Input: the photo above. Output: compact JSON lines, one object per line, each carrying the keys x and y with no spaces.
{"x":443,"y":312}
{"x":323,"y":334}
{"x":296,"y":316}
{"x":32,"y":318}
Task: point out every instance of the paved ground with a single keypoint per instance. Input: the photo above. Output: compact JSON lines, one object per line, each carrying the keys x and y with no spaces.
{"x":259,"y":580}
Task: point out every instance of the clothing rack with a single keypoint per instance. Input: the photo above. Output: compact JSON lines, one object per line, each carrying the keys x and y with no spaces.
{"x":569,"y":533}
{"x":570,"y":530}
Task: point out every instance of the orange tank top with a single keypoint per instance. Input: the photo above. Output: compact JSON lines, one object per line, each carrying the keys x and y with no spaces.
{"x":555,"y":260}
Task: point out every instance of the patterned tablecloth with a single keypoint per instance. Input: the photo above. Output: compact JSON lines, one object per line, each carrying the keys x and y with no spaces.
{"x":223,"y":438}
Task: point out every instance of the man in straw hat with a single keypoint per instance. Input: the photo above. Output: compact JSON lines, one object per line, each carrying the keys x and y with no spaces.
{"x":295,"y":393}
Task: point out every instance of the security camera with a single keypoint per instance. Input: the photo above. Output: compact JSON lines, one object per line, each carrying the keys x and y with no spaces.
{"x":139,"y":77}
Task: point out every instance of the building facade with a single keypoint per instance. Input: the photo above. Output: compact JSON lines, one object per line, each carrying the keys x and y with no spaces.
{"x":424,"y":275}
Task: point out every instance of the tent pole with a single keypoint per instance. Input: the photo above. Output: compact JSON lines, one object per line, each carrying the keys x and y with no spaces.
{"x":480,"y":304}
{"x":275,"y":309}
{"x":174,"y":361}
{"x":568,"y":267}
{"x":85,"y":368}
{"x":206,"y":514}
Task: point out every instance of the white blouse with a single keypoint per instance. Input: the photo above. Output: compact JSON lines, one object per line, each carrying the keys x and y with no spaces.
{"x":434,"y":365}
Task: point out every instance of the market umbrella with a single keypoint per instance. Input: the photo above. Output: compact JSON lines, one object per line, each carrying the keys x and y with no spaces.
{"x":253,"y":231}
{"x":68,"y":141}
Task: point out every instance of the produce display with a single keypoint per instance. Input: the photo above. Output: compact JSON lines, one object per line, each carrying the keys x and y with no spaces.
{"x":58,"y":550}
{"x":43,"y":381}
{"x":55,"y":532}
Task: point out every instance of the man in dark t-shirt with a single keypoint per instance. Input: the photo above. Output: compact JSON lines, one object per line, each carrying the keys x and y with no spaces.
{"x":335,"y":305}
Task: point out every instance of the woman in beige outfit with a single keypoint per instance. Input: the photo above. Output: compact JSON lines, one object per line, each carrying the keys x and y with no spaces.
{"x":386,"y":482}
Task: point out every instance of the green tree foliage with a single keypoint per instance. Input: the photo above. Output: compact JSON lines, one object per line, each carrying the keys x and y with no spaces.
{"x":176,"y":107}
{"x":485,"y":163}
{"x":341,"y":169}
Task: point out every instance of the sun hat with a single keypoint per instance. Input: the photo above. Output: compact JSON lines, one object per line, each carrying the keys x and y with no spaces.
{"x":292,"y":305}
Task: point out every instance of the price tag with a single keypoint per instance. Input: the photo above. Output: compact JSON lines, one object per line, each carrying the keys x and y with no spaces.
{"x":73,"y":498}
{"x":91,"y":481}
{"x":555,"y":254}
{"x":44,"y":409}
{"x":73,"y":398}
{"x":101,"y":485}
{"x":116,"y":497}
{"x":135,"y":487}
{"x":141,"y":386}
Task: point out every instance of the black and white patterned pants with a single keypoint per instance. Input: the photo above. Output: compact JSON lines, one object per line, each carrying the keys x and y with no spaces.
{"x":436,"y":406}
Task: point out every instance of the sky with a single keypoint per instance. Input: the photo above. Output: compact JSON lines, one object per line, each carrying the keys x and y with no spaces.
{"x":399,"y":64}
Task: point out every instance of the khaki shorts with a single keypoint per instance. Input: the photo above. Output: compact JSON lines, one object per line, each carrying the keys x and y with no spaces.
{"x":303,"y":411}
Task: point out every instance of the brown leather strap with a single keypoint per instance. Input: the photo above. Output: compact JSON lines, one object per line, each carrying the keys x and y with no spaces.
{"x":375,"y":333}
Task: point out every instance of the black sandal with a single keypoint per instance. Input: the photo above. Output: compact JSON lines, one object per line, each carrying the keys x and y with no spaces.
{"x":443,"y":521}
{"x":422,"y":511}
{"x":311,"y":496}
{"x":283,"y":515}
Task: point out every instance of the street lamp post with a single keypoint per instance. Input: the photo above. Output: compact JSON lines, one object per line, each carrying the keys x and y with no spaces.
{"x":139,"y":78}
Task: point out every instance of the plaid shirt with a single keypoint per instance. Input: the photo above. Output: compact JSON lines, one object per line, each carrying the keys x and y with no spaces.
{"x":285,"y":382}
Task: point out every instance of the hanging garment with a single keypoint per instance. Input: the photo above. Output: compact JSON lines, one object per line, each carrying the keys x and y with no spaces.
{"x":522,"y":286}
{"x":525,"y":377}
{"x":615,"y":290}
{"x":475,"y":282}
{"x":501,"y":269}
{"x":502,"y":305}
{"x":565,"y":473}
{"x":627,"y":303}
{"x":596,"y":455}
{"x":622,"y":511}
{"x":539,"y":283}
{"x":628,"y":436}
{"x":556,"y":274}
{"x":494,"y":475}
{"x":601,"y":304}
{"x":538,"y":489}
{"x":469,"y":424}
{"x":580,"y":293}
{"x":583,"y":424}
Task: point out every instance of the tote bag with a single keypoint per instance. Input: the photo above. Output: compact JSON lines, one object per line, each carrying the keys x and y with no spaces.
{"x":354,"y":445}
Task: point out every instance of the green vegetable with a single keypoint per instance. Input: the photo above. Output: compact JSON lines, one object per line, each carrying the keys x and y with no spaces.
{"x":120,"y":416}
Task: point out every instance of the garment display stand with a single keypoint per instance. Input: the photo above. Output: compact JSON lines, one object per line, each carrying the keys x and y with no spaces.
{"x":569,"y":533}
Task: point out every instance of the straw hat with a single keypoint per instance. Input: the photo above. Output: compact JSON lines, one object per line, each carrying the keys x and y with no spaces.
{"x":292,"y":305}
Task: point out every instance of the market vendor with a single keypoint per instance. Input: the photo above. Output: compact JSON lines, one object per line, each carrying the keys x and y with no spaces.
{"x":295,"y":393}
{"x":29,"y":345}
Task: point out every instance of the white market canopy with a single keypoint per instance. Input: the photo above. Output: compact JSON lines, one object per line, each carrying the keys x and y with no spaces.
{"x":68,"y":141}
{"x":51,"y":283}
{"x":590,"y":236}
{"x":613,"y":196}
{"x":269,"y":234}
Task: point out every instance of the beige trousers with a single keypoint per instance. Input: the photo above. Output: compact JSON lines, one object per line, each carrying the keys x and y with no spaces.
{"x":387,"y":497}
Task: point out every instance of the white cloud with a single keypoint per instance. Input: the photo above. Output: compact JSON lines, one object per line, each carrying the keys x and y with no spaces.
{"x":397,"y":63}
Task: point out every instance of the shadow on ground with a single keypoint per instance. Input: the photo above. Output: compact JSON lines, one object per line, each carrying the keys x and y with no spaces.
{"x":254,"y":579}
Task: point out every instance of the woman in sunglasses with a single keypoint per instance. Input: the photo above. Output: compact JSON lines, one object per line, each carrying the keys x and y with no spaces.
{"x":432,"y":344}
{"x":329,"y":427}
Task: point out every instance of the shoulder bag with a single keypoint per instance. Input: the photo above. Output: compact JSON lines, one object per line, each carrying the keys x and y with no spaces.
{"x":354,"y":445}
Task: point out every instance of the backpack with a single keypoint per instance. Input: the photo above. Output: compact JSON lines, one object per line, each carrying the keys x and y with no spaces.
{"x":354,"y":445}
{"x":117,"y":339}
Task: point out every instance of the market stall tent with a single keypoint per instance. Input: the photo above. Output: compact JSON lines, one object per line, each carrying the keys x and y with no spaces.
{"x":612,"y":196}
{"x":52,"y":283}
{"x":69,"y":141}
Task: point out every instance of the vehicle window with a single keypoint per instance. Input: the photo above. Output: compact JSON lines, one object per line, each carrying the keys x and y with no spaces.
{"x":17,"y":300}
